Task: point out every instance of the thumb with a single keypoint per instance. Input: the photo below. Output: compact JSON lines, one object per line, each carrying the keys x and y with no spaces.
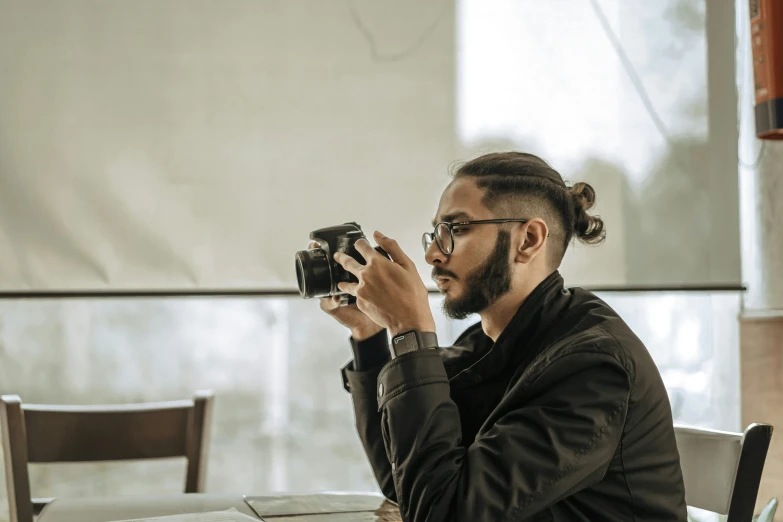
{"x":394,"y":250}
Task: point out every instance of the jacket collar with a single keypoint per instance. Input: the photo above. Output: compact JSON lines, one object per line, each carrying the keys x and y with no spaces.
{"x":520,"y":341}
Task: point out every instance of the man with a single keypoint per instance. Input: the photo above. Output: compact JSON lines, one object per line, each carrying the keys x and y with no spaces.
{"x":549,"y":409}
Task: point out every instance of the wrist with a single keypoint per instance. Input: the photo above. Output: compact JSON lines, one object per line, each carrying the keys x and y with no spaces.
{"x":362,"y":334}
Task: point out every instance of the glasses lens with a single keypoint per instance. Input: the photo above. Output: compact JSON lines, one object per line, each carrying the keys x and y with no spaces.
{"x":443,"y":237}
{"x":426,"y":241}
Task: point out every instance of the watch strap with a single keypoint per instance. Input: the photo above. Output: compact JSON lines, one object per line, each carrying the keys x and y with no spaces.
{"x":411,"y":341}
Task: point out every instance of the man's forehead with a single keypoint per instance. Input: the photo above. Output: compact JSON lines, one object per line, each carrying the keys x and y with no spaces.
{"x":461,"y":200}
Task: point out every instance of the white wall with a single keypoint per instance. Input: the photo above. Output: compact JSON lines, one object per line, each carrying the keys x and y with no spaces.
{"x":182,"y":144}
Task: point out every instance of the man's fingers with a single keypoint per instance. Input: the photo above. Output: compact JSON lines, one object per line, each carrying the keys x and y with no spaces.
{"x":330,"y":303}
{"x":348,"y":288}
{"x":393,"y":249}
{"x":365,"y":249}
{"x":349,"y":263}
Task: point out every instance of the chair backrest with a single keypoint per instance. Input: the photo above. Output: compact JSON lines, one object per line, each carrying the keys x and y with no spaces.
{"x":34,"y":433}
{"x":722,"y":470}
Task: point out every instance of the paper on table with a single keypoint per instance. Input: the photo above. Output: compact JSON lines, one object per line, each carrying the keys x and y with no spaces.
{"x":292,"y":505}
{"x":387,"y":512}
{"x":230,"y":515}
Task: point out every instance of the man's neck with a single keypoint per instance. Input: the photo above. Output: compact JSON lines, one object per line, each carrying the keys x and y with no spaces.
{"x":495,"y":318}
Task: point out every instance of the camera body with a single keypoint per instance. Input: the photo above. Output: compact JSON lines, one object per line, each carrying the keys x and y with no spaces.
{"x":317,"y":273}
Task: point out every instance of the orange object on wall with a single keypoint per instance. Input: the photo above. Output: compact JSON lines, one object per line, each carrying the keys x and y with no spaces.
{"x":766,"y":32}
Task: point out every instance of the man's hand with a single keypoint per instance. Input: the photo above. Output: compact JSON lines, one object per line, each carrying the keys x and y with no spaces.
{"x":391,"y":293}
{"x":361,"y":326}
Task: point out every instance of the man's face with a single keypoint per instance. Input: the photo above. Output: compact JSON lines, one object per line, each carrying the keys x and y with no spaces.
{"x":478,"y":271}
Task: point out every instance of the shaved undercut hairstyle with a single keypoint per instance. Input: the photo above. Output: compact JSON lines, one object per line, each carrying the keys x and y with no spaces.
{"x":522,"y":185}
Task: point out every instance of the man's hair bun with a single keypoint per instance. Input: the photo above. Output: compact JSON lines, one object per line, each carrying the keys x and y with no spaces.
{"x":588,"y":229}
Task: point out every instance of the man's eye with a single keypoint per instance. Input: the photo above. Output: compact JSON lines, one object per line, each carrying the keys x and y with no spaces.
{"x":459,"y":230}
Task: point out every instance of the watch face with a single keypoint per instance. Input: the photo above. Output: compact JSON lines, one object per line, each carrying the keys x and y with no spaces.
{"x":405,"y":343}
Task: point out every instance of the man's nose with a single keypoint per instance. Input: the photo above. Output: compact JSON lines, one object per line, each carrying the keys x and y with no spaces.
{"x":434,"y":255}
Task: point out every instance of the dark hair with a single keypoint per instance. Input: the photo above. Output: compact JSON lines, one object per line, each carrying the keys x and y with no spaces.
{"x":504,"y":174}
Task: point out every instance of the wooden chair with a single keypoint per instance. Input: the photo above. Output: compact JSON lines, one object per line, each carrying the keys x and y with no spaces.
{"x":722,"y":470}
{"x":34,"y":433}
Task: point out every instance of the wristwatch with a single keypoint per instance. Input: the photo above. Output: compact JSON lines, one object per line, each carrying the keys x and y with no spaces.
{"x":411,"y":341}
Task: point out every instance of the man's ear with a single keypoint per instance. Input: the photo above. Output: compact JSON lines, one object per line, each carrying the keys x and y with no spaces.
{"x":532,"y":241}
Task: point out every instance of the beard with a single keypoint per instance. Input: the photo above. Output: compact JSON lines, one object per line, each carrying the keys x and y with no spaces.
{"x":484,"y":285}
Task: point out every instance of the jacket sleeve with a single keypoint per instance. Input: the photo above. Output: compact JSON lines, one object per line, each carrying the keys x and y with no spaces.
{"x":537,"y":451}
{"x":362,"y":384}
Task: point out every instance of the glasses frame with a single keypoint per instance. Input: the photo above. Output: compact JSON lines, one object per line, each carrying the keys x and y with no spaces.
{"x":432,"y":237}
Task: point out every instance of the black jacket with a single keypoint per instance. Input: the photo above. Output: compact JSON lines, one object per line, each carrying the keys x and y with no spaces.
{"x":564,"y":418}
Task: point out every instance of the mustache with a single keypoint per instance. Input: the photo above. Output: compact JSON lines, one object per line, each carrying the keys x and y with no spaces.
{"x":440,"y":272}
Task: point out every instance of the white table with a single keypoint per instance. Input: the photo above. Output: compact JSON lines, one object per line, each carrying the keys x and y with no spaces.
{"x":326,"y":507}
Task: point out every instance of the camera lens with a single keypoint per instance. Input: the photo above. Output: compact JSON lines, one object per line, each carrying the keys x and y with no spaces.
{"x":312,"y":273}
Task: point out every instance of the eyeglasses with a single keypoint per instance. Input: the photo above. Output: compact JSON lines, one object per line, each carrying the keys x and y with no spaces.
{"x":443,"y":234}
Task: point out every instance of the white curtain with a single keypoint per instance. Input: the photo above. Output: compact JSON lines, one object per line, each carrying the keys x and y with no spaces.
{"x":184,"y":144}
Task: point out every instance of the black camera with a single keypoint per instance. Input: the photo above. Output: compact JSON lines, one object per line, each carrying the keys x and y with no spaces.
{"x":317,"y":273}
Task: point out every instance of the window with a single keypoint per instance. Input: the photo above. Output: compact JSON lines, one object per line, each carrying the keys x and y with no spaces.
{"x":282,"y":421}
